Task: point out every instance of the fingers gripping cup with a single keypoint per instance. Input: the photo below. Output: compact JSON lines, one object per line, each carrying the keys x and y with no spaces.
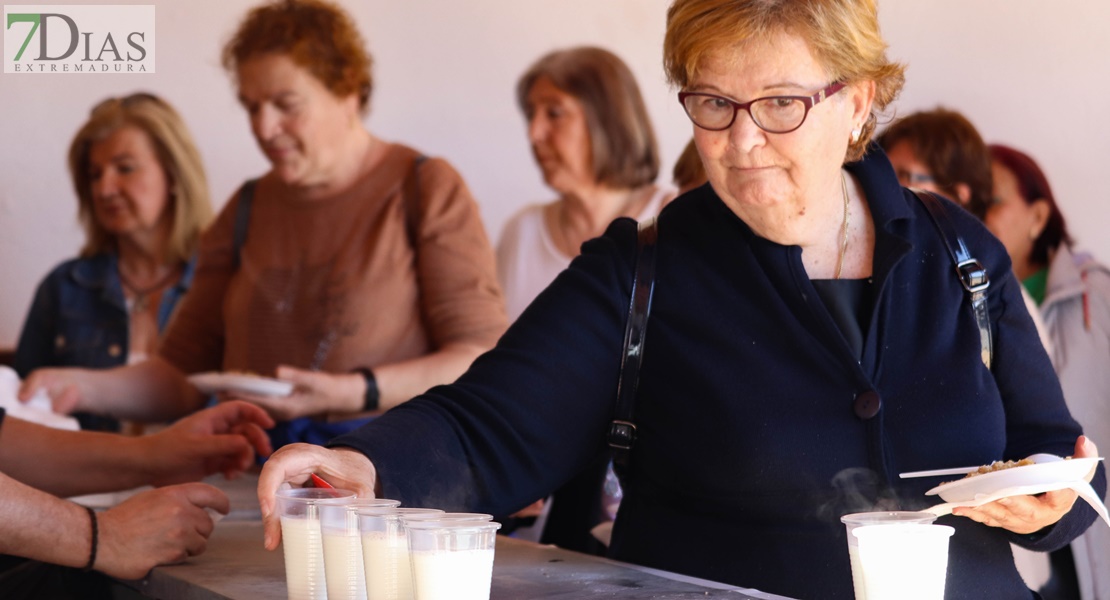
{"x":904,"y":562}
{"x":343,"y":564}
{"x":385,"y":551}
{"x":302,"y":540}
{"x":451,"y":559}
{"x":855,"y":520}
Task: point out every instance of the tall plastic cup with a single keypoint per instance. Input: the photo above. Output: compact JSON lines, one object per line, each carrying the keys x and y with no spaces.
{"x":904,"y":562}
{"x":852,"y":521}
{"x":385,"y":551}
{"x":343,"y":564}
{"x":451,"y":559}
{"x":302,"y":541}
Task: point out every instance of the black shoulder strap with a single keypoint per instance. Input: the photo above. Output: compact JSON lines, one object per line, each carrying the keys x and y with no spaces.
{"x":242,"y":221}
{"x":410,"y":201}
{"x":970,"y":271}
{"x":622,"y":431}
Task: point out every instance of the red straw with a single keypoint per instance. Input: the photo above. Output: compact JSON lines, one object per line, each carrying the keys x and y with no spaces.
{"x":320,"y":483}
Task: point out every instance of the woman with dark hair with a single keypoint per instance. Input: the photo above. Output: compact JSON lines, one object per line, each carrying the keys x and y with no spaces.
{"x":1073,"y":292}
{"x":940,"y":151}
{"x":595,"y":146}
{"x":353,"y":268}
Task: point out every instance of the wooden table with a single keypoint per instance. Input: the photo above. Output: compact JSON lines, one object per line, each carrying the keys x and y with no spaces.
{"x":236,"y":567}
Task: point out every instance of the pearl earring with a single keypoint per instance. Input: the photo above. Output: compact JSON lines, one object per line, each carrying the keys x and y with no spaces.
{"x":855,"y":135}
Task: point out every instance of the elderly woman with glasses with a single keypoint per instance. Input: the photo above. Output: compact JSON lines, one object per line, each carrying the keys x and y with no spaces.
{"x":143,"y":201}
{"x":809,"y":339}
{"x":353,"y":269}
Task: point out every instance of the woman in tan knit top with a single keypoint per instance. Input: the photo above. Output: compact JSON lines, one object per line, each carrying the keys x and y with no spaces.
{"x":359,"y":272}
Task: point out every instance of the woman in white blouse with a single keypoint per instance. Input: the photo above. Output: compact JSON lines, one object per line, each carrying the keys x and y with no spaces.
{"x":591,"y":138}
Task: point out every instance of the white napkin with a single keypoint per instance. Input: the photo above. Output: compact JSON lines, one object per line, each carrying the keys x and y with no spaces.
{"x":1080,"y":486}
{"x":37,"y":410}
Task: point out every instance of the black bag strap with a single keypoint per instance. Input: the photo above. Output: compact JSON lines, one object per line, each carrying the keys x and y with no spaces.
{"x":970,"y":271}
{"x":242,"y":221}
{"x":622,"y":431}
{"x":410,"y":201}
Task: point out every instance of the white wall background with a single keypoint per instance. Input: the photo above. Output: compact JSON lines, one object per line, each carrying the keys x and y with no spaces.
{"x":1027,"y":72}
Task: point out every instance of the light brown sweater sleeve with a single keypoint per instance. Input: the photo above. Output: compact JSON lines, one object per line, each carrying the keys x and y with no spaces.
{"x":459,"y":294}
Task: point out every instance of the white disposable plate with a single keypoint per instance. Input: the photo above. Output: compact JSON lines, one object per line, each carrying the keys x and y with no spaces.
{"x":214,"y":382}
{"x":1029,"y":478}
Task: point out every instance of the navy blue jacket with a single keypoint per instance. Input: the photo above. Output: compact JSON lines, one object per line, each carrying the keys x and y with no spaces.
{"x":751,"y":442}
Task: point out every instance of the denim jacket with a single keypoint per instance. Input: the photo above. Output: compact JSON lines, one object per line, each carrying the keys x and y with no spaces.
{"x":79,"y":317}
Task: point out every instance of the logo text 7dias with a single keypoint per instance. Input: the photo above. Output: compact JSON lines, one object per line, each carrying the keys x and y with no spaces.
{"x":78,"y":39}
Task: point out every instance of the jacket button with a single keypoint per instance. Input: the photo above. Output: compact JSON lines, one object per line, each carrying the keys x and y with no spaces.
{"x":114,"y":350}
{"x":867,"y":404}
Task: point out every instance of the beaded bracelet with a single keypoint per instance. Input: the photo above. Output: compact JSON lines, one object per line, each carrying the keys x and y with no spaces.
{"x":95,"y":540}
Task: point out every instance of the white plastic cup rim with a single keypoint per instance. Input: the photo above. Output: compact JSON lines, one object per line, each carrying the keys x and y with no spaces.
{"x":314,"y":495}
{"x":362,"y":502}
{"x":872,"y":531}
{"x":393,"y":513}
{"x":447,"y":516}
{"x":892,"y":517}
{"x":452,"y":525}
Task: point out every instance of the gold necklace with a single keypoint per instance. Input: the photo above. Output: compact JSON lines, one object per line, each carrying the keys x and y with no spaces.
{"x":844,"y":241}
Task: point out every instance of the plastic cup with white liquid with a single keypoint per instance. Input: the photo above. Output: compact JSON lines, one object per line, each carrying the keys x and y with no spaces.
{"x":451,"y":559}
{"x":302,"y":540}
{"x":852,"y":521}
{"x":904,"y":562}
{"x":343,"y":564}
{"x":385,"y":551}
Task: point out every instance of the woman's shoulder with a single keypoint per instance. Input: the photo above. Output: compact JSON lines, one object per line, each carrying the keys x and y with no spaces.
{"x":87,"y":271}
{"x":525,"y":220}
{"x":523,"y":234}
{"x":428,"y":167}
{"x":954,"y":220}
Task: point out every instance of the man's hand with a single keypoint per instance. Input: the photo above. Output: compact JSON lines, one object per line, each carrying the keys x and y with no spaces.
{"x":343,"y":468}
{"x":1028,"y":514}
{"x":222,"y":439}
{"x":157,"y":527}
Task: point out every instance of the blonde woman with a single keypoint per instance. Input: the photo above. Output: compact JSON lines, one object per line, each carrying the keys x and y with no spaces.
{"x":143,"y":201}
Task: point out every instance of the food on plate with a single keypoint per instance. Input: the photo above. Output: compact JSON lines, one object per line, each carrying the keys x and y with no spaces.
{"x":1000,"y":465}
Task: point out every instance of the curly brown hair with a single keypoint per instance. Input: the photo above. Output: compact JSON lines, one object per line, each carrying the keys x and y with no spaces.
{"x":317,"y":35}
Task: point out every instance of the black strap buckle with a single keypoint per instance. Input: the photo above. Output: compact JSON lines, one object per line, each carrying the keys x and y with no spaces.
{"x":622,"y":434}
{"x":973,"y":275}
